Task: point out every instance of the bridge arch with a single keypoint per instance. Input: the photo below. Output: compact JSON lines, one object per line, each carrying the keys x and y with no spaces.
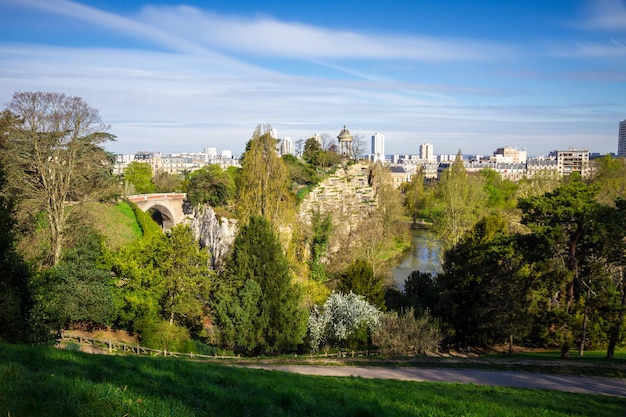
{"x":165,"y":209}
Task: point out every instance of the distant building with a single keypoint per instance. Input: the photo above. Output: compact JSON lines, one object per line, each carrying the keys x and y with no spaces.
{"x":399,"y":175}
{"x":573,"y":160}
{"x":621,"y":143}
{"x":378,"y":147}
{"x":509,"y":155}
{"x":286,"y":146}
{"x":427,"y":152}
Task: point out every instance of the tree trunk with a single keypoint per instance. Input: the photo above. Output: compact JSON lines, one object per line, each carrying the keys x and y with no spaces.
{"x":581,"y":347}
{"x":511,"y":344}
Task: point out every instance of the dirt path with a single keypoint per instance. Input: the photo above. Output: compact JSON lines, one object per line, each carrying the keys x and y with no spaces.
{"x":578,"y":384}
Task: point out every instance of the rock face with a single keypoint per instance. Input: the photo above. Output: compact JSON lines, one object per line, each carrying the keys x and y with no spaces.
{"x":345,"y":194}
{"x":214,"y":233}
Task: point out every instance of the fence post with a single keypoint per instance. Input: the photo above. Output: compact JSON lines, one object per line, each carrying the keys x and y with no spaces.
{"x":110,"y":346}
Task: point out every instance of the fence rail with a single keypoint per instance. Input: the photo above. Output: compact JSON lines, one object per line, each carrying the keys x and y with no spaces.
{"x":109,"y":346}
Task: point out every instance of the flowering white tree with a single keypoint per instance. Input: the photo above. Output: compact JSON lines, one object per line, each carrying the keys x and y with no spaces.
{"x":339,"y":317}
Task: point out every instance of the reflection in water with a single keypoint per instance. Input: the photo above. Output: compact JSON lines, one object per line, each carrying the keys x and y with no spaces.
{"x":423,"y":256}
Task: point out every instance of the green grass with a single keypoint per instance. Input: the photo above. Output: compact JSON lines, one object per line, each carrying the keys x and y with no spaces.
{"x":116,"y":222}
{"x":36,"y":381}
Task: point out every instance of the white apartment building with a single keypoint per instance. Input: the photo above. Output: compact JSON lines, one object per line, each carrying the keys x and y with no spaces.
{"x":509,"y":155}
{"x":427,"y":152}
{"x":286,"y":146}
{"x":573,"y":160}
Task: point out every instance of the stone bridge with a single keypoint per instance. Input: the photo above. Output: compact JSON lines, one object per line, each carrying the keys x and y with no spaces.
{"x":166,"y":209}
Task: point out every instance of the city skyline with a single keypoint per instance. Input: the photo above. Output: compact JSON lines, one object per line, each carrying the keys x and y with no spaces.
{"x":469,"y":76}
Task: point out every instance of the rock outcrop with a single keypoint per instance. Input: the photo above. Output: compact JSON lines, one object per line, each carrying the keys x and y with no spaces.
{"x":214,"y":233}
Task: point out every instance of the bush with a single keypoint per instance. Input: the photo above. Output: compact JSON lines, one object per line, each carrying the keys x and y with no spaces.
{"x":166,"y":336}
{"x":405,"y":335}
{"x":345,"y":319}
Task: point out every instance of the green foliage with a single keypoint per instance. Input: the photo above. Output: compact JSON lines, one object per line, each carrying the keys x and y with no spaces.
{"x":321,"y":229}
{"x":300,"y":173}
{"x":147,"y":225}
{"x":139,"y":174}
{"x":279,"y":323}
{"x":211,"y":185}
{"x":166,"y":336}
{"x":501,"y":194}
{"x":359,"y":278}
{"x":76,"y":291}
{"x":485,"y":286}
{"x":610,"y":174}
{"x":165,"y":182}
{"x":55,"y":158}
{"x":16,"y":298}
{"x":460,"y":199}
{"x":161,"y":277}
{"x":263,"y":188}
{"x":315,"y":155}
{"x":421,"y":287}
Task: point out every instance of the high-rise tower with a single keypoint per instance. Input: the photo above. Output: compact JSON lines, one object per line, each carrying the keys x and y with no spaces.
{"x":621,"y":143}
{"x":427,"y":152}
{"x":378,"y":147}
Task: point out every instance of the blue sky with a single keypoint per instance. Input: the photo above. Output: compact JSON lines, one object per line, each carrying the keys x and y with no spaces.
{"x":470,"y":75}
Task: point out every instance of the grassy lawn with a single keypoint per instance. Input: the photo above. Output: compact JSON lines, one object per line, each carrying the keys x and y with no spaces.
{"x":37,"y":381}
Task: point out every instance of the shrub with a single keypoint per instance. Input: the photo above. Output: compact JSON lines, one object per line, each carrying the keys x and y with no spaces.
{"x":405,"y":335}
{"x":166,"y":336}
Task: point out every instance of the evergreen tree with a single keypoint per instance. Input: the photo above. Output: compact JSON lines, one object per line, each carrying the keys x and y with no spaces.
{"x":360,"y":279}
{"x":16,"y":299}
{"x":272,"y":317}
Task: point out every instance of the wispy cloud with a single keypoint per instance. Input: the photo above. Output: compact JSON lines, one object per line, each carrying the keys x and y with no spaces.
{"x":268,"y":36}
{"x":604,"y":15}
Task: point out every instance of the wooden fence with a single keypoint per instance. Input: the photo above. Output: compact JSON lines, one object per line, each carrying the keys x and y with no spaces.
{"x":90,"y":345}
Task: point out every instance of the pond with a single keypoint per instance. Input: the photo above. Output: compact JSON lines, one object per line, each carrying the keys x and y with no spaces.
{"x":423,"y":256}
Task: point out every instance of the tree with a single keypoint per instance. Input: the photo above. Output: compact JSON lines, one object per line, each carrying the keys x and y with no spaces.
{"x":187,"y":279}
{"x":139,"y":174}
{"x":485,"y":287}
{"x":610,"y":174}
{"x":564,"y":222}
{"x":415,"y":195}
{"x":360,"y":279}
{"x":16,"y":300}
{"x":358,"y":146}
{"x":75,"y":293}
{"x":165,"y":182}
{"x":460,"y":198}
{"x":263,"y":185}
{"x":55,"y":158}
{"x":162,"y":276}
{"x":270,"y":314}
{"x":210,"y":185}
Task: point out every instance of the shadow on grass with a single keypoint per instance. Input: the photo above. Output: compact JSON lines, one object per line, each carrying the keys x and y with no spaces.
{"x":38,"y":381}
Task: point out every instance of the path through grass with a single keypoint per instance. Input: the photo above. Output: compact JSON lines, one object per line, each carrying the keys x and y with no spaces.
{"x":36,"y":381}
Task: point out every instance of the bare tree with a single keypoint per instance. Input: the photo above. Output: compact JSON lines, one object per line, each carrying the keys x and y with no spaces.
{"x":358,"y":146}
{"x":55,"y":157}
